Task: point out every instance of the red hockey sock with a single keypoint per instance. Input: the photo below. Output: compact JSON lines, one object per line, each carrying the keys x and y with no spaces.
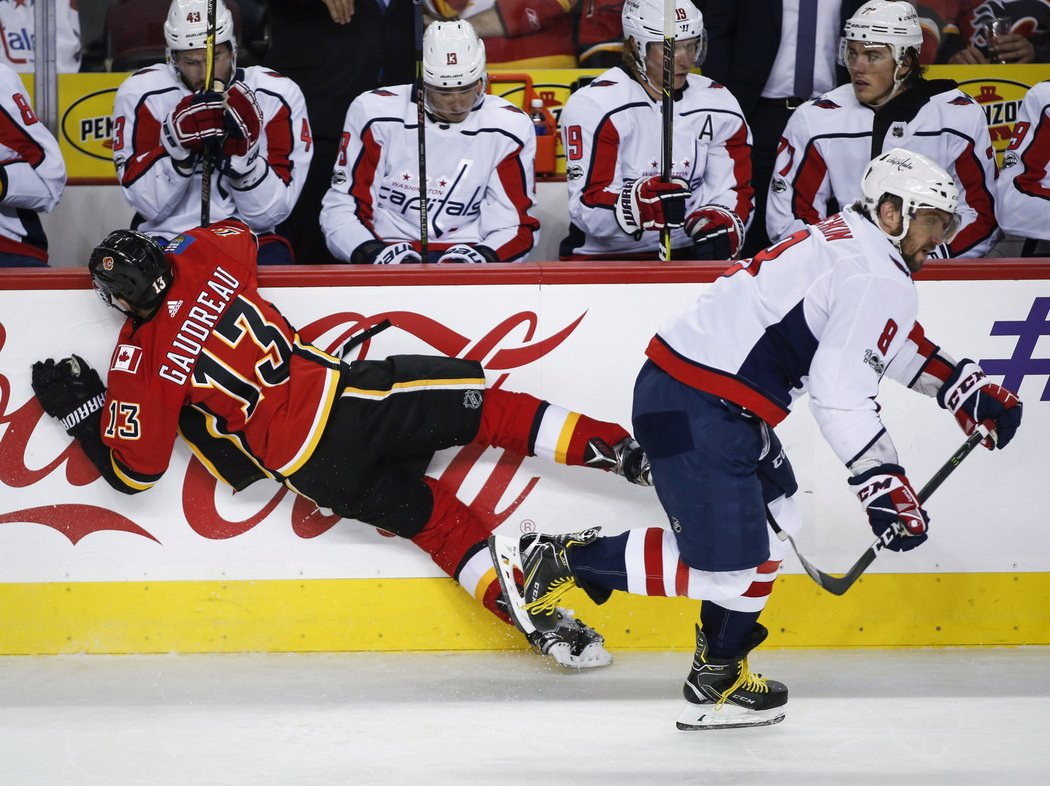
{"x":456,"y":539}
{"x":525,"y":424}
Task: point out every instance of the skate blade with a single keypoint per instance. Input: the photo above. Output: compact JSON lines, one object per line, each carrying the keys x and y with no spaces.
{"x":594,"y":656}
{"x":706,"y":716}
{"x":505,"y":557}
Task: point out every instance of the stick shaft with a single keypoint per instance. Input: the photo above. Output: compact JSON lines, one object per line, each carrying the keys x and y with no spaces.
{"x":421,"y":135}
{"x":208,"y":158}
{"x":667,"y":115}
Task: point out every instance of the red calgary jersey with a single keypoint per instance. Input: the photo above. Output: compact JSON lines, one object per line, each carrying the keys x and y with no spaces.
{"x":215,"y":344}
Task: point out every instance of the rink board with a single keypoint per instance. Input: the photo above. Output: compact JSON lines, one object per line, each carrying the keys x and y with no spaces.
{"x":190,"y":567}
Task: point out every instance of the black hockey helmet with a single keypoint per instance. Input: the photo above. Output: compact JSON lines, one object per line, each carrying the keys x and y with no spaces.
{"x":130,"y":267}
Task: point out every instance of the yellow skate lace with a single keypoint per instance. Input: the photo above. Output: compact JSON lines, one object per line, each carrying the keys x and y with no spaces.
{"x":546,"y":604}
{"x":748,"y":680}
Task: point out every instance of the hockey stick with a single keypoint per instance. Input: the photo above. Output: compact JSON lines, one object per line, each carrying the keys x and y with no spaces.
{"x":421,"y":135}
{"x":208,"y":159}
{"x":667,"y":116}
{"x":837,"y":585}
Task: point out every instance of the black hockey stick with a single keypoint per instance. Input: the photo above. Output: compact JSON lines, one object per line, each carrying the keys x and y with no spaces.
{"x":208,"y":159}
{"x":837,"y":585}
{"x":667,"y":116}
{"x":421,"y":135}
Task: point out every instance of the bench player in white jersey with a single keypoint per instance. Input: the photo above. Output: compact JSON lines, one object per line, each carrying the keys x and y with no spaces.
{"x":32,"y":176}
{"x":1023,"y":204}
{"x":611,"y":133}
{"x":830,"y":310}
{"x":163,"y":119}
{"x":480,"y":160}
{"x":828,"y":141}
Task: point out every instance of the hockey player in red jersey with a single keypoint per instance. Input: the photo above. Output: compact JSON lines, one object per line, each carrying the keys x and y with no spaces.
{"x":204,"y":354}
{"x":829,"y":310}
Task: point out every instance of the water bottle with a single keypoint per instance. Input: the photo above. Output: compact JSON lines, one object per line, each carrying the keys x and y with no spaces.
{"x":539,"y":117}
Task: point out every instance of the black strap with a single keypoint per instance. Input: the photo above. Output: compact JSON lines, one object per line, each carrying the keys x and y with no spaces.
{"x":358,"y":339}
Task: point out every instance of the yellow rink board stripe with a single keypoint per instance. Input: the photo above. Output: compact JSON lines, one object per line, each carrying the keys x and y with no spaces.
{"x":881,"y":610}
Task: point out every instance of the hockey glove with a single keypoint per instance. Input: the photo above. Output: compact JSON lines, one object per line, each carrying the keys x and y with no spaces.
{"x":397,"y":254}
{"x":69,"y":390}
{"x":243,"y":120}
{"x":464,"y":253}
{"x":195,"y":120}
{"x":976,"y":401}
{"x":892,"y":505}
{"x":716,"y":233}
{"x":651,"y":204}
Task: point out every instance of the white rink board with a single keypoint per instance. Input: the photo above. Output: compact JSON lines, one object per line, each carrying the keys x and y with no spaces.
{"x":988,"y":517}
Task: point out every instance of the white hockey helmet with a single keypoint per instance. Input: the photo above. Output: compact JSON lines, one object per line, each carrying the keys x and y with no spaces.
{"x":643,"y":22}
{"x":453,"y":55}
{"x":917,"y":181}
{"x":187,"y":25}
{"x":894,"y":24}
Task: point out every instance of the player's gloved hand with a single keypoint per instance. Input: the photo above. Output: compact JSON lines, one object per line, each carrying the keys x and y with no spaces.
{"x":976,"y":401}
{"x":195,"y":120}
{"x":892,"y":505}
{"x":68,"y":389}
{"x":463,"y":253}
{"x":397,"y":254}
{"x":717,"y":233}
{"x":242,"y":118}
{"x":651,"y":204}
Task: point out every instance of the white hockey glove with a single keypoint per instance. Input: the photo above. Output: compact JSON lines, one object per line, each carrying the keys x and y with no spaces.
{"x":650,"y":204}
{"x":466,"y":254}
{"x":717,"y":233}
{"x":397,"y":254}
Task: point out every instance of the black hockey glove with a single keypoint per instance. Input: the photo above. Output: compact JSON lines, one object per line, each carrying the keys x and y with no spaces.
{"x":69,"y":390}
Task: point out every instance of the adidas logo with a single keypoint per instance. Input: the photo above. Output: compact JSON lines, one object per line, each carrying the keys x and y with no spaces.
{"x":173,"y":307}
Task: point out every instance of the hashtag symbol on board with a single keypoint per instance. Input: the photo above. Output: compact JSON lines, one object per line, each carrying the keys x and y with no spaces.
{"x":1023,"y":362}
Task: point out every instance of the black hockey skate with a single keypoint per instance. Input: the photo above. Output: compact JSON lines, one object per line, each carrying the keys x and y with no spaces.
{"x":626,"y":459}
{"x":545,"y":568}
{"x":723,"y":693}
{"x":572,"y":644}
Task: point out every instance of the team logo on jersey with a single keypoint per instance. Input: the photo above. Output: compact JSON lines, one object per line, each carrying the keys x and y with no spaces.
{"x":778,"y":185}
{"x":897,"y":130}
{"x":472,"y":399}
{"x":338,"y":177}
{"x":573,"y":172}
{"x":1009,"y":159}
{"x":126,"y":358}
{"x":875,"y":361}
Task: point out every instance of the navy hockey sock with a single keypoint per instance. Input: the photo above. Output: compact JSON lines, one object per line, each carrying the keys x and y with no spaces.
{"x":726,"y":630}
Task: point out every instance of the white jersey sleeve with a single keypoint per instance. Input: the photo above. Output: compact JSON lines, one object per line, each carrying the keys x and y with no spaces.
{"x":480,"y":179}
{"x":1023,"y":207}
{"x":800,"y":188}
{"x":32,"y":173}
{"x":286,"y":145}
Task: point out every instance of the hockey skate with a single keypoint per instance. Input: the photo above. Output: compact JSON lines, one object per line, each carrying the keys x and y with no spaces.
{"x":626,"y":459}
{"x":545,"y":568}
{"x":572,"y":644}
{"x":723,"y":693}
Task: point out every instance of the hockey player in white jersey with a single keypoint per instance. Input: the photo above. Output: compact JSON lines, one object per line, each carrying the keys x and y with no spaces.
{"x":163,"y":119}
{"x":32,"y":176}
{"x":611,"y":134}
{"x":830,"y":310}
{"x":480,"y":159}
{"x":1023,"y":204}
{"x":828,"y":141}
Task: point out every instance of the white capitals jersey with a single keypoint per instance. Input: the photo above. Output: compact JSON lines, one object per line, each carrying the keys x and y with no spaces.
{"x":168,"y":201}
{"x":827,"y":310}
{"x":32,"y":173}
{"x":481,"y":186}
{"x":828,"y":142}
{"x":611,"y":133}
{"x":1024,"y":184}
{"x":17,"y":31}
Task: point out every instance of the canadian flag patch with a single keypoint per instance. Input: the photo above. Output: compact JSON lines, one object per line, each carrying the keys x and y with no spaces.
{"x":126,"y":358}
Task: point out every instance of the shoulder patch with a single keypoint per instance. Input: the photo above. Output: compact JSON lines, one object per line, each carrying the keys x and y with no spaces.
{"x":514,"y":109}
{"x":381,"y":92}
{"x":602,"y":83}
{"x":825,"y":103}
{"x":962,"y":100}
{"x":178,"y":244}
{"x":126,"y":357}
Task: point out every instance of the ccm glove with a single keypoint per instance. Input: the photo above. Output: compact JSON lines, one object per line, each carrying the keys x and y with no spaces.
{"x":651,"y":204}
{"x":976,"y":401}
{"x":463,"y":253}
{"x":892,"y":505}
{"x":196,"y":119}
{"x":69,"y":390}
{"x":716,"y":232}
